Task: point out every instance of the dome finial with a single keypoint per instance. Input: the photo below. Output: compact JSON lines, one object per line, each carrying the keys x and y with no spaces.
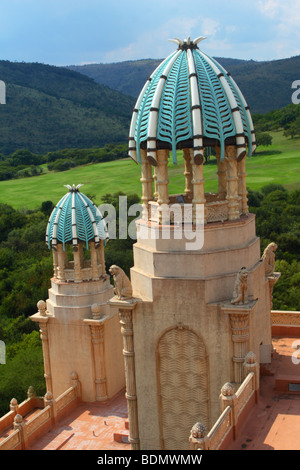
{"x":73,"y":188}
{"x":188,"y":43}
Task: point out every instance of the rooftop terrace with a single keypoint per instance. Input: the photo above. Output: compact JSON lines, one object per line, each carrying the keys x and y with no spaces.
{"x":272,"y":424}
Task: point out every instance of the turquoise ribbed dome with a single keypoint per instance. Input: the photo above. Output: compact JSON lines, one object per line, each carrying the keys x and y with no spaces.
{"x":190,"y":101}
{"x":75,"y":219}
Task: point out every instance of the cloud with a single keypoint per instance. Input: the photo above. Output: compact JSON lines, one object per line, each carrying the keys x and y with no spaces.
{"x":284,"y":20}
{"x":155,"y":44}
{"x":286,"y":12}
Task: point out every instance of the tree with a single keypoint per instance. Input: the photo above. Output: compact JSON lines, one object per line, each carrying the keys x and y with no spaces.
{"x":293,"y":129}
{"x":263,"y":138}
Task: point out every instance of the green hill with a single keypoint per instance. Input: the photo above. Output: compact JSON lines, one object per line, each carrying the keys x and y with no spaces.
{"x":266,"y":85}
{"x":50,"y":108}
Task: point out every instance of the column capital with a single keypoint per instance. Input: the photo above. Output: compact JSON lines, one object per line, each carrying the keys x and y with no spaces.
{"x":238,"y":309}
{"x":123,"y":305}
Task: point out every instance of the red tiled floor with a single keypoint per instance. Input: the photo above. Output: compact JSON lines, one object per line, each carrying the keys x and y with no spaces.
{"x":274,"y":423}
{"x":91,"y":426}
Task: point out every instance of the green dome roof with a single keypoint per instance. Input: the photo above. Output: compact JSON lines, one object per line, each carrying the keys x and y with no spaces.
{"x":190,"y":101}
{"x":75,"y":219}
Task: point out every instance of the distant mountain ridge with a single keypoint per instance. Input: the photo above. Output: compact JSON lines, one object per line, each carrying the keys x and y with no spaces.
{"x":50,"y":108}
{"x":266,"y":85}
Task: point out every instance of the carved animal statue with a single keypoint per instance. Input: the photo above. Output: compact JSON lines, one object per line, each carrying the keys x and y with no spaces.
{"x":240,"y":292}
{"x":123,"y":288}
{"x":269,"y":259}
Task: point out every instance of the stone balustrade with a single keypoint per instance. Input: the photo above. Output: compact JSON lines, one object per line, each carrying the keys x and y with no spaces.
{"x":216,"y":209}
{"x":234,"y":407}
{"x":52,"y":410}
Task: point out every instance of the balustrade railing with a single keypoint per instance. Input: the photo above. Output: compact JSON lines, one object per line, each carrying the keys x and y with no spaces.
{"x":20,"y":433}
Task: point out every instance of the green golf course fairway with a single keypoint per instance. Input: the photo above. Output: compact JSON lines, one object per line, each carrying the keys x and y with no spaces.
{"x":279,"y":163}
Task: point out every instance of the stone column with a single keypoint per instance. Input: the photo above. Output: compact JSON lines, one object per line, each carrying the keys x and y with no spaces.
{"x":155,"y":182}
{"x":242,"y":188}
{"x":240,"y":337}
{"x":147,"y":183}
{"x":42,"y":318}
{"x":188,"y":173}
{"x":222,"y":184}
{"x":232,"y":183}
{"x":101,"y":257}
{"x":94,"y":262}
{"x":97,"y":337}
{"x":126,"y":309}
{"x":162,"y":181}
{"x":55,"y":263}
{"x":239,"y":317}
{"x":61,"y":263}
{"x":46,"y":353}
{"x":198,"y":192}
{"x":77,"y":264}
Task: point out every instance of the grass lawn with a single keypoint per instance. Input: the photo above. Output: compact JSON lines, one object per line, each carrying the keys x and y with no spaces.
{"x":278,"y":164}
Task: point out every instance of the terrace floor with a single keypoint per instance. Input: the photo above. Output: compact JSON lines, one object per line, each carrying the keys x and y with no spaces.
{"x":91,"y":426}
{"x":273,"y":424}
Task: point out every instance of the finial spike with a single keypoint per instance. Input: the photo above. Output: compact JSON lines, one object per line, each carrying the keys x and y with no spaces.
{"x":199,"y":39}
{"x":177,"y":41}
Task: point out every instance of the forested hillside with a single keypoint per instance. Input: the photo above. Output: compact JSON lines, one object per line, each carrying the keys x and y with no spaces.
{"x":265,"y":85}
{"x":50,"y":108}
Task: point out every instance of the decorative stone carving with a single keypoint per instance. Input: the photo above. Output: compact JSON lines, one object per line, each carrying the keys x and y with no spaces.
{"x":250,"y":358}
{"x":48,"y":397}
{"x":227,"y":390}
{"x":13,"y":405}
{"x":123,"y":288}
{"x":96,"y":311}
{"x":41,"y":305}
{"x":31,"y":392}
{"x":18,"y":421}
{"x":240,"y":292}
{"x":198,"y":431}
{"x":269,"y":259}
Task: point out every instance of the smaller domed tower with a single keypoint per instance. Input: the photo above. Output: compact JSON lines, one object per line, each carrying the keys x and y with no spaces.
{"x":79,"y":333}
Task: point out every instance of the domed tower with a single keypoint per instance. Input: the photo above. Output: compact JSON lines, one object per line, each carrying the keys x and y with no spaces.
{"x":75,"y":321}
{"x":191,"y":103}
{"x":201,"y":294}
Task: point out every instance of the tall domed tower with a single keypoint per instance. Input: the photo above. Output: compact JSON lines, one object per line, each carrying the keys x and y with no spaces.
{"x":79,"y":331}
{"x":201,"y":296}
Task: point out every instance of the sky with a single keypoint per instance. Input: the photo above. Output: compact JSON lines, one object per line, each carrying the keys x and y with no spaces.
{"x":77,"y":32}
